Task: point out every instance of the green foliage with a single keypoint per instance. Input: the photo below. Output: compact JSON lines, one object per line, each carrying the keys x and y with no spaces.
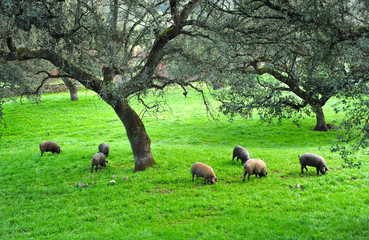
{"x":247,"y":95}
{"x":354,"y":131}
{"x":313,"y":50}
{"x":39,"y":197}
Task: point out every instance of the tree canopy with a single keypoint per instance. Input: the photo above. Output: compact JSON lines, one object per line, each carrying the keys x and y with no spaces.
{"x":311,"y":51}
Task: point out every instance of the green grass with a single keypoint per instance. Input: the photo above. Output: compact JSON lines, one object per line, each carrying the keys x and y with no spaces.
{"x":39,"y":197}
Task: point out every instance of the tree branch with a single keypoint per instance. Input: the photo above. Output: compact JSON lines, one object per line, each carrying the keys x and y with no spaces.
{"x":188,"y":9}
{"x":81,"y":75}
{"x":174,"y":10}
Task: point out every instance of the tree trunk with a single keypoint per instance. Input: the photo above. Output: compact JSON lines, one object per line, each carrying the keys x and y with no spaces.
{"x":72,"y":89}
{"x":138,"y":138}
{"x":320,"y":125}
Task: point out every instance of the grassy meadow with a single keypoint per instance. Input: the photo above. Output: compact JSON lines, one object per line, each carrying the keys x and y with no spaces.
{"x":39,"y":197}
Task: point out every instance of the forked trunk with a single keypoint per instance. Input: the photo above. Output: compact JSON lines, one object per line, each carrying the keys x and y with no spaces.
{"x":73,"y":89}
{"x":137,"y":135}
{"x":320,"y":125}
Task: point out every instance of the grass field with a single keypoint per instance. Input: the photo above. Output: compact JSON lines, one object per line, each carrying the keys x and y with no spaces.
{"x":39,"y":197}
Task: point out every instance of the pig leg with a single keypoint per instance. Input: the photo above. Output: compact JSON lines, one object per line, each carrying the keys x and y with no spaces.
{"x":244,"y":175}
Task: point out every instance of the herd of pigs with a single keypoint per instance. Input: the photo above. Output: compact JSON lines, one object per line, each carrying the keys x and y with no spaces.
{"x":250,"y":165}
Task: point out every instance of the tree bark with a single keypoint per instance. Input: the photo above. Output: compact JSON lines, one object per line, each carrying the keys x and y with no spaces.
{"x":137,"y":135}
{"x":73,"y":89}
{"x":320,"y":125}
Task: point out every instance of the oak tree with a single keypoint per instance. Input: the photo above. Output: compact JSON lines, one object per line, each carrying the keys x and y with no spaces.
{"x":112,"y":47}
{"x":292,"y":56}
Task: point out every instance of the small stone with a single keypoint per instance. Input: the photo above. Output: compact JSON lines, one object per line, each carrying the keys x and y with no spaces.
{"x":82,"y":185}
{"x":124,"y":178}
{"x":112,"y":182}
{"x":114,"y":176}
{"x":298,"y":185}
{"x":290,"y":186}
{"x":92,"y":176}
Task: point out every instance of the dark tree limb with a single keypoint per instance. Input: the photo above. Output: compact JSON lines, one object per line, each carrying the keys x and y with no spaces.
{"x":85,"y":78}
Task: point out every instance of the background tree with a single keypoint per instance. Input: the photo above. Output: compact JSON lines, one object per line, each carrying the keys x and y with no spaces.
{"x":22,"y":78}
{"x":110,"y":39}
{"x":72,"y":88}
{"x":308,"y":50}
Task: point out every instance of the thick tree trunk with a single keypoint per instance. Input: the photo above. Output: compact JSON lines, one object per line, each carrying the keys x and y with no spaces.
{"x":137,"y":135}
{"x":73,"y":89}
{"x":320,"y":125}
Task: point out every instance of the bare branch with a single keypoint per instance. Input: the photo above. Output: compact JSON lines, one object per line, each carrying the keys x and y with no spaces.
{"x":191,"y":34}
{"x":205,"y":100}
{"x":54,"y":76}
